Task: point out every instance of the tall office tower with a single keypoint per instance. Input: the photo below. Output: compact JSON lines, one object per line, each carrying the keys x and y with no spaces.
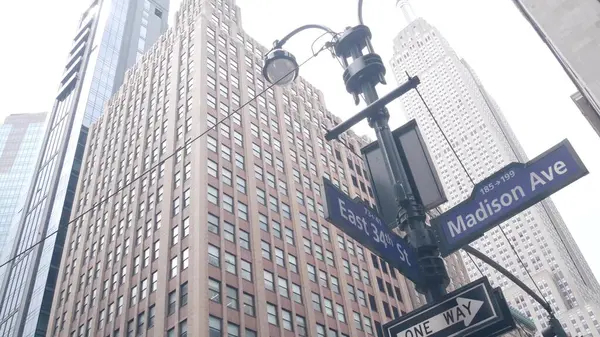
{"x":20,"y":139}
{"x":228,"y":234}
{"x":485,"y":143}
{"x":111,"y":36}
{"x":572,"y":33}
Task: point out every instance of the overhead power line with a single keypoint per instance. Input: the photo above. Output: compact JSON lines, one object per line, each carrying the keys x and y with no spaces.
{"x":163,"y":160}
{"x":473,"y":183}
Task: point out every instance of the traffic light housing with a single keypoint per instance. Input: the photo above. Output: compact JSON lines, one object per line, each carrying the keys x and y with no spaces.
{"x":555,"y":329}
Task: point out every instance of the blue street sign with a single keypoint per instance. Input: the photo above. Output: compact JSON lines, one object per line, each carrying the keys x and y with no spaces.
{"x":365,"y":226}
{"x":505,"y":193}
{"x":465,"y":311}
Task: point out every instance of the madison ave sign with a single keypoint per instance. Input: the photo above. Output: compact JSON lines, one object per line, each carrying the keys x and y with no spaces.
{"x":505,"y":193}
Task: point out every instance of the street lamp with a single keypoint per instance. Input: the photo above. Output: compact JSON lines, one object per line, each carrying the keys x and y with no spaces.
{"x":280,"y":67}
{"x":363,"y":70}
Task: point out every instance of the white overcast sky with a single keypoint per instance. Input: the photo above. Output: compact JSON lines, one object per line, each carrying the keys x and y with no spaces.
{"x":498,"y":43}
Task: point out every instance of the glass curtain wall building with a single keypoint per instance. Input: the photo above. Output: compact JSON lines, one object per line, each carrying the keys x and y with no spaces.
{"x":227,"y":235}
{"x":20,"y":139}
{"x":484,"y":141}
{"x":111,"y":36}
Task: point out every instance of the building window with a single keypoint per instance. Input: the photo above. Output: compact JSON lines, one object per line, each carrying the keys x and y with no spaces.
{"x":227,"y":203}
{"x":357,"y":321}
{"x":320,"y":330}
{"x":185,"y":258}
{"x":183,"y":329}
{"x":230,"y":263}
{"x":272,"y":314}
{"x":214,"y":290}
{"x":214,"y":326}
{"x":301,"y":326}
{"x":154,"y":282}
{"x":213,"y":224}
{"x":229,"y":232}
{"x":174,"y":269}
{"x":241,"y":184}
{"x":328,"y":307}
{"x":266,"y":250}
{"x":183,"y":294}
{"x":289,"y":236}
{"x":151,"y":316}
{"x":174,"y":235}
{"x":233,"y":330}
{"x":242,"y":211}
{"x":246,"y":270}
{"x":368,"y":326}
{"x":316,"y":302}
{"x":283,"y":287}
{"x":279,"y":257}
{"x":296,"y":293}
{"x":232,"y":298}
{"x":340,"y":313}
{"x":186,"y":227}
{"x":334,"y":284}
{"x":249,"y":308}
{"x":244,"y":239}
{"x":286,"y":319}
{"x":213,"y":195}
{"x":293,"y":263}
{"x":312,"y":272}
{"x":172,"y":302}
{"x":214,"y":256}
{"x":213,"y":168}
{"x":269,"y":282}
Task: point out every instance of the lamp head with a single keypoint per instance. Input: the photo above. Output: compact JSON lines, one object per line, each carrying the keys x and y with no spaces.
{"x":280,"y":67}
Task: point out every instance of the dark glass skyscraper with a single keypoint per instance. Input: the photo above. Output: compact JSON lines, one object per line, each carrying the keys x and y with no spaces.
{"x":112,"y":35}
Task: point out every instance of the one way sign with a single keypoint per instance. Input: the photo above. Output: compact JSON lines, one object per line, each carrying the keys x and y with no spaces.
{"x":462,"y":312}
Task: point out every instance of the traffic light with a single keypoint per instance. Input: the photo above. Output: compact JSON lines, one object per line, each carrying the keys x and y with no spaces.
{"x":555,"y":329}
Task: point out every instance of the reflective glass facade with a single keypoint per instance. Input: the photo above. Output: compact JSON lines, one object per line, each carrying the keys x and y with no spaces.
{"x":98,"y":55}
{"x":20,"y":139}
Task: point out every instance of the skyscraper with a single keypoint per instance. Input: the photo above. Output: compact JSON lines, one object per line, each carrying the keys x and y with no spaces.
{"x":571,"y":32}
{"x":112,"y":35}
{"x":227,"y":234}
{"x":20,"y":139}
{"x":484,"y":142}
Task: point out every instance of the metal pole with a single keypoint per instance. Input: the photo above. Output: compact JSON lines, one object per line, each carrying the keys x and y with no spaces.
{"x":433,"y":270}
{"x":360,"y":77}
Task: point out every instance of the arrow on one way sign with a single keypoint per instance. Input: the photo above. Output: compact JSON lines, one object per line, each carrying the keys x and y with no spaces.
{"x":465,"y":310}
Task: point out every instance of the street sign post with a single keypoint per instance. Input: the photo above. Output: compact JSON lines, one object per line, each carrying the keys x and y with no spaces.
{"x":505,"y":193}
{"x":364,"y":225}
{"x":464,"y":311}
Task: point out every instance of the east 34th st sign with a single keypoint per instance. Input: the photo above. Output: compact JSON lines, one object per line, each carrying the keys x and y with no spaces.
{"x":364,"y":225}
{"x":505,"y":193}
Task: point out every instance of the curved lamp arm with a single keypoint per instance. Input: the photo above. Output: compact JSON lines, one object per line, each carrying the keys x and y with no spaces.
{"x":360,"y":16}
{"x":280,"y":43}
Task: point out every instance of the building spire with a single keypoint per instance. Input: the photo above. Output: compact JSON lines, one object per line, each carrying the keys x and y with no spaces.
{"x":407,"y":11}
